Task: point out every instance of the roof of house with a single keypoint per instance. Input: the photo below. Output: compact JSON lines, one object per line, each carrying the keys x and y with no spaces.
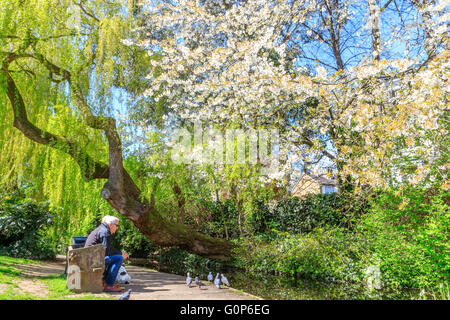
{"x":322,"y":179}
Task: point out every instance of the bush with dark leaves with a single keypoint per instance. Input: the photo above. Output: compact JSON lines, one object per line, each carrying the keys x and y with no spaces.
{"x":22,"y":228}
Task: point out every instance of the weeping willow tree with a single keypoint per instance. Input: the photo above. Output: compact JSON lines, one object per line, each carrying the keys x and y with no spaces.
{"x":60,"y":64}
{"x":48,"y":174}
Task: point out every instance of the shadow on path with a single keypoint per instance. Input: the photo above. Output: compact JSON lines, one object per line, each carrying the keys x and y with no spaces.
{"x":147,"y":284}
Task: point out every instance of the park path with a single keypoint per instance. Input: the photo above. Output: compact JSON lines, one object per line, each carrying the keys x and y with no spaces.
{"x":147,"y":284}
{"x":153,"y":285}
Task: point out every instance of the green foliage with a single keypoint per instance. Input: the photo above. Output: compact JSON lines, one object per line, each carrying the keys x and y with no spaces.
{"x":405,"y":233}
{"x":180,"y":262}
{"x":409,"y":237}
{"x":45,"y":174}
{"x":87,"y":44}
{"x":331,"y":254}
{"x":23,"y":223}
{"x":295,"y":215}
{"x":222,"y":220}
{"x":262,"y":217}
{"x":129,"y":239}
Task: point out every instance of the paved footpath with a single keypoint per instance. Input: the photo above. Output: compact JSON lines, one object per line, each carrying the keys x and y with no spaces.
{"x":147,"y":284}
{"x":153,"y":285}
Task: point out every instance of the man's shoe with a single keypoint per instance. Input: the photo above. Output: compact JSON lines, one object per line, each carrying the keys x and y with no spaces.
{"x":112,"y":289}
{"x":115,"y":286}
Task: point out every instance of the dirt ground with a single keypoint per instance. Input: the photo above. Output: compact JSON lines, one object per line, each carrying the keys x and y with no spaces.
{"x":145,"y":284}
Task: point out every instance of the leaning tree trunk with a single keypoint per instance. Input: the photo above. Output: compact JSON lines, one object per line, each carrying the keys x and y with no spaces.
{"x":120,"y":190}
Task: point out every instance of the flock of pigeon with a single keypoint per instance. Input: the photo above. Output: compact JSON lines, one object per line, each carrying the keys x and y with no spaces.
{"x":217,"y":281}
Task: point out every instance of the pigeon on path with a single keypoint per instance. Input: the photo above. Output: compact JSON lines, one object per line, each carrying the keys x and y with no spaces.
{"x":188,"y":280}
{"x":210,"y":277}
{"x":224,"y":280}
{"x":126,"y":295}
{"x":217,"y":281}
{"x":199,"y":283}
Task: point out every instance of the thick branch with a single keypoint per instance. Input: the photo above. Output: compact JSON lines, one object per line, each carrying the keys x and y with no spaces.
{"x":374,"y":12}
{"x":107,"y":124}
{"x":309,"y":143}
{"x":120,"y":190}
{"x":86,"y":12}
{"x":92,"y":169}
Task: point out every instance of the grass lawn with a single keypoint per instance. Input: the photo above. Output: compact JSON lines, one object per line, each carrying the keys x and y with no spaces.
{"x":16,"y":285}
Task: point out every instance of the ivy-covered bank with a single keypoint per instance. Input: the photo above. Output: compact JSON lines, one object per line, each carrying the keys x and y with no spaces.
{"x":408,"y":244}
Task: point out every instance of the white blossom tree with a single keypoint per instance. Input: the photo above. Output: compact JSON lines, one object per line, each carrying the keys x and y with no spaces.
{"x":241,"y":63}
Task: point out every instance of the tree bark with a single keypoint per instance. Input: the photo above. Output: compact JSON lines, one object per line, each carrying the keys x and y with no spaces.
{"x":374,"y":18}
{"x":180,"y":202}
{"x":334,"y":29}
{"x":426,"y":22}
{"x":120,"y":190}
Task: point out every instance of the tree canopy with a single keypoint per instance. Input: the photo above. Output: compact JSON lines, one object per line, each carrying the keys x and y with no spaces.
{"x":76,"y":64}
{"x":92,"y":92}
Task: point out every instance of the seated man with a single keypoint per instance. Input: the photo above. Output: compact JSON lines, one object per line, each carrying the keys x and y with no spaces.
{"x":113,"y":257}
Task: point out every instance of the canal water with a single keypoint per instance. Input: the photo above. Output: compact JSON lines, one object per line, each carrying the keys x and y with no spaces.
{"x":276,"y":287}
{"x":284,"y":288}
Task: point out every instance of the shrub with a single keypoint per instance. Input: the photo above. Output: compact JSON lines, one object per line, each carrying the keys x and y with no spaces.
{"x":295,"y":215}
{"x":331,"y":254}
{"x":404,"y":233}
{"x":223,"y":219}
{"x":23,"y":223}
{"x":180,"y":262}
{"x":262,"y":219}
{"x":129,"y":239}
{"x":409,"y":237}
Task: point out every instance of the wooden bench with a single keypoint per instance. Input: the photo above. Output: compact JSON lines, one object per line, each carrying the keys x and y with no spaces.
{"x":85,"y":268}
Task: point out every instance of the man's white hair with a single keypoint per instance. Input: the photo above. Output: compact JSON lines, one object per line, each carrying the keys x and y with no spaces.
{"x":109,"y":219}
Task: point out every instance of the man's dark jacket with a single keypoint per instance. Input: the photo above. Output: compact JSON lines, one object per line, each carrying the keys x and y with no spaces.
{"x":102,"y":235}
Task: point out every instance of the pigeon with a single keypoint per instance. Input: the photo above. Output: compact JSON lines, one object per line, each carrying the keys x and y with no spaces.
{"x":126,"y":295}
{"x":188,"y":280}
{"x":217,"y":281}
{"x":224,"y":280}
{"x":199,"y":283}
{"x":210,"y":277}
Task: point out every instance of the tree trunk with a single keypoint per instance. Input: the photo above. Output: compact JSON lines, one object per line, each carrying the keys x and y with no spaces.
{"x":374,"y":18}
{"x":426,"y":22}
{"x":334,"y":28}
{"x":120,"y":190}
{"x":180,"y":202}
{"x":222,"y":208}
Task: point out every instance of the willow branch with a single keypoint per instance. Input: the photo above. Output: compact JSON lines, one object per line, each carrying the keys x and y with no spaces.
{"x":92,"y":169}
{"x":87,"y":13}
